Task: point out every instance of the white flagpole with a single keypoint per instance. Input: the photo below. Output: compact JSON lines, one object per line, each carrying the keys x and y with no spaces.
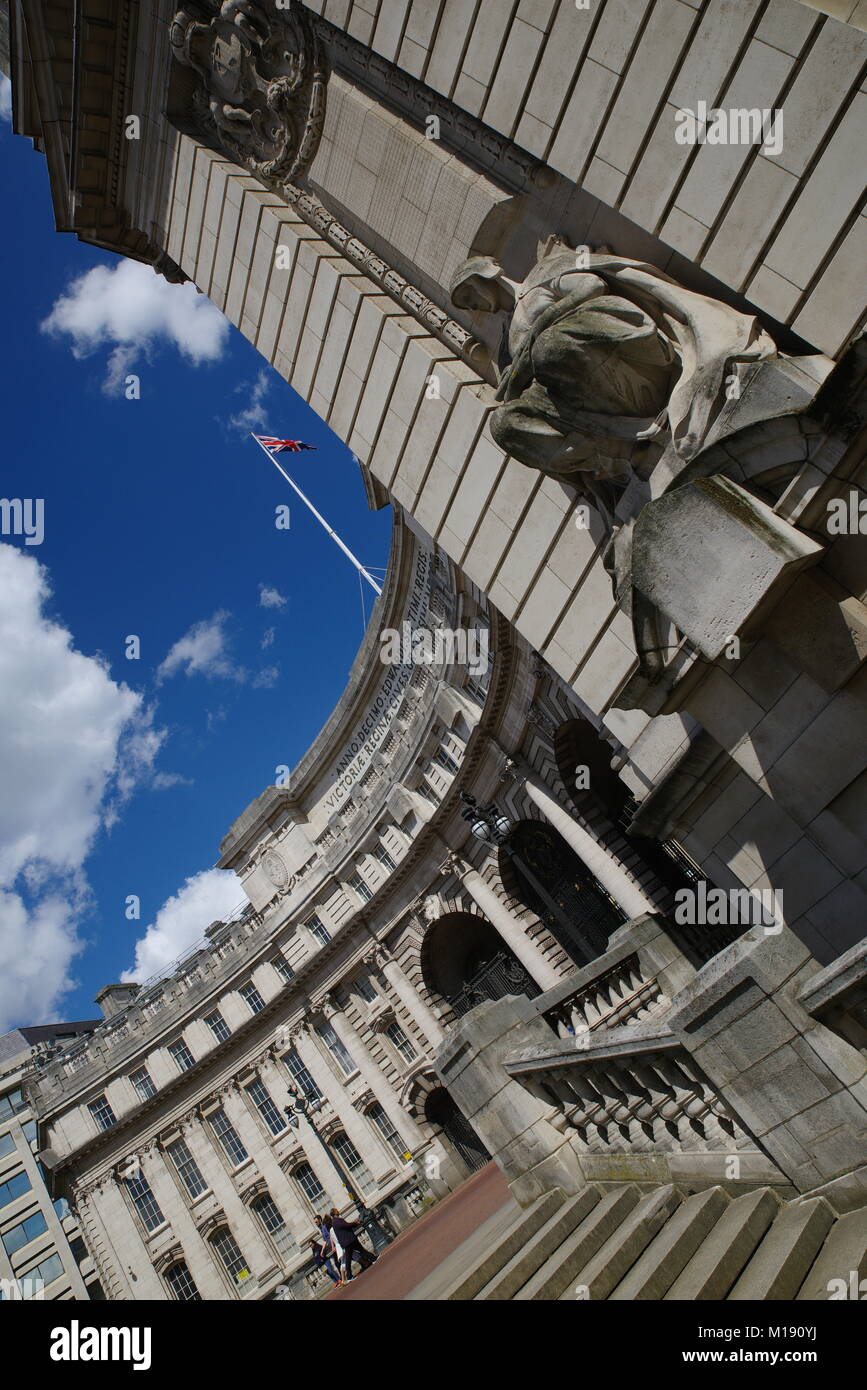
{"x":321,"y":519}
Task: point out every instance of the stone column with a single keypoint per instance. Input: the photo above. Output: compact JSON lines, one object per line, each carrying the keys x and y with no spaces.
{"x":372,"y":1073}
{"x":419,"y":1011}
{"x":511,"y":928}
{"x":601,"y":863}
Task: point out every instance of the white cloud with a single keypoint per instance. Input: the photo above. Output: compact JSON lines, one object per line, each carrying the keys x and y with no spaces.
{"x":271,"y":598}
{"x":5,"y":98}
{"x":203,"y":651}
{"x":267,"y":638}
{"x":182,"y":920}
{"x":266,"y":678}
{"x":73,"y":745}
{"x":253,"y":416}
{"x":132,"y":310}
{"x":163,"y":781}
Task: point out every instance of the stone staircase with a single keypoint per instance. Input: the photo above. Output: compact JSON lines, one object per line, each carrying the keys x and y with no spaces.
{"x":623,"y":1242}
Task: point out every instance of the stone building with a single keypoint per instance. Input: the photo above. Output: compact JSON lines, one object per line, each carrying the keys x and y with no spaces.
{"x":42,"y":1253}
{"x":580,"y":288}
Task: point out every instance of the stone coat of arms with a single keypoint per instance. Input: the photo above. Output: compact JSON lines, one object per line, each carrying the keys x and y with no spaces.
{"x":262,"y":82}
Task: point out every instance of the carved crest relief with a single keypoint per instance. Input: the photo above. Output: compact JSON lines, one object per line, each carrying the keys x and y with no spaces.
{"x":275,"y":870}
{"x":262,"y":81}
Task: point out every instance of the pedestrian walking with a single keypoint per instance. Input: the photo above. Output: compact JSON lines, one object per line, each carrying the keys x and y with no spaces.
{"x":347,"y":1236}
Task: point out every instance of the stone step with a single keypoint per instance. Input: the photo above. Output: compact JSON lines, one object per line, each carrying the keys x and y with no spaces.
{"x":780,"y":1265}
{"x":660,"y":1264}
{"x":715,"y":1266}
{"x":558,"y":1271}
{"x":609,"y":1265}
{"x":528,"y":1260}
{"x":843,"y":1256}
{"x":490,"y":1260}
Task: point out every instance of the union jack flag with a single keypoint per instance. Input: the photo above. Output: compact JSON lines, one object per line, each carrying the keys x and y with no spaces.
{"x":278,"y":445}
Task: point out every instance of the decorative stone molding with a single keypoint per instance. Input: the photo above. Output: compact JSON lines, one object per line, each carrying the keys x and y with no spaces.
{"x":262,"y":79}
{"x":434,"y":319}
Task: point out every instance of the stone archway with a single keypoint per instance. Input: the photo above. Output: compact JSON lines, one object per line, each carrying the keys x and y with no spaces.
{"x":465,"y":961}
{"x":538,"y":868}
{"x":577,"y":745}
{"x":443,"y":1112}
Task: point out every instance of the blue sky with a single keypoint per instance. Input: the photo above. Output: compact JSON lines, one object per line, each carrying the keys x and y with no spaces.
{"x":121,"y":776}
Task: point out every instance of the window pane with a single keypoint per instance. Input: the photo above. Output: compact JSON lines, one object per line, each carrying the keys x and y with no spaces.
{"x":266,"y":1107}
{"x":317,"y":929}
{"x":181,"y":1284}
{"x":251,"y":996}
{"x":7,"y":1145}
{"x":301,"y":1076}
{"x":226,"y":1247}
{"x":143,"y":1084}
{"x":218,"y":1025}
{"x":25,"y":1231}
{"x":181,"y":1055}
{"x":284,"y":970}
{"x":145,"y":1203}
{"x":309,"y":1183}
{"x":228,"y":1137}
{"x":387,"y":1130}
{"x":188,"y":1170}
{"x":336,"y":1048}
{"x":102,"y":1113}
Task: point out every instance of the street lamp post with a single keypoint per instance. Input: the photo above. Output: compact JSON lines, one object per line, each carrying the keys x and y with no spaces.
{"x":302,"y":1107}
{"x":488,"y":823}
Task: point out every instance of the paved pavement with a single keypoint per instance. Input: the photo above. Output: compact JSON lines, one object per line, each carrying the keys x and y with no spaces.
{"x":429,"y":1242}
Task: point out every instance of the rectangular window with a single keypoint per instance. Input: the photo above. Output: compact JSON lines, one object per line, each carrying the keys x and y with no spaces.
{"x":181,"y":1055}
{"x":141,"y":1080}
{"x":387,"y":1130}
{"x":25,"y":1231}
{"x":359,"y":886}
{"x":7,"y":1145}
{"x":445,"y":761}
{"x":251,"y":997}
{"x":102,"y":1113}
{"x":189,"y":1171}
{"x":318,"y":931}
{"x":145,"y":1203}
{"x":336,"y":1048}
{"x":228,"y":1137}
{"x":12,"y":1103}
{"x":266,"y":1107}
{"x":218,"y":1026}
{"x":28,"y":1129}
{"x":382,"y":855}
{"x":353,"y":1163}
{"x":366,"y":989}
{"x":46,"y":1271}
{"x":401,"y":1042}
{"x":301,"y":1076}
{"x":283,"y":969}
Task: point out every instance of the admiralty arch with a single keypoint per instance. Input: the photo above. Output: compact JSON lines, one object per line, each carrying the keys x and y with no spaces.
{"x":593,"y":908}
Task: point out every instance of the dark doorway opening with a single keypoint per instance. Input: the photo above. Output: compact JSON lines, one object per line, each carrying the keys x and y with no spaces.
{"x":441,"y":1110}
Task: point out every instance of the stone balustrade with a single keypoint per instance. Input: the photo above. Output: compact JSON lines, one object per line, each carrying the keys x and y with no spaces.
{"x":630,"y":1089}
{"x":620,"y":994}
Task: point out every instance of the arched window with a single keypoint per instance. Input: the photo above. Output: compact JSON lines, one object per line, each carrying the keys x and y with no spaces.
{"x":270,"y":1218}
{"x":353,"y":1163}
{"x":226,"y":1247}
{"x":181,"y":1284}
{"x":311,"y":1187}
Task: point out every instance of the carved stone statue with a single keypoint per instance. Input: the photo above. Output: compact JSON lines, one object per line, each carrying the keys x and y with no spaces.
{"x":602,"y":354}
{"x":262,"y":82}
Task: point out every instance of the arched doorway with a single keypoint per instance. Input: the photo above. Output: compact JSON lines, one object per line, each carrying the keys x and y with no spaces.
{"x":538,"y":867}
{"x":465,"y":960}
{"x":441,"y":1110}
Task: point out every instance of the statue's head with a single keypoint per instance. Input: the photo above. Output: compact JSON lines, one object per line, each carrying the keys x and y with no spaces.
{"x":478,"y":284}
